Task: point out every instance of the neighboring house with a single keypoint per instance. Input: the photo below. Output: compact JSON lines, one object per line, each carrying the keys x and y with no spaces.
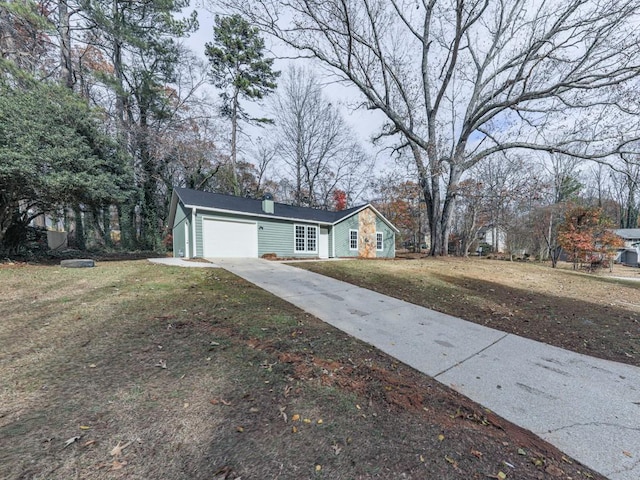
{"x":57,"y":238}
{"x":630,"y":254}
{"x":213,"y":225}
{"x":494,"y":236}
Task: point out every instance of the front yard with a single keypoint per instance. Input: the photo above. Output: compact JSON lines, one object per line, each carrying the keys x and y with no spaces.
{"x":133,"y":370}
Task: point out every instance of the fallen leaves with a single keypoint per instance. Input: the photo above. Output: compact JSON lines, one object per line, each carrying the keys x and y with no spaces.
{"x":117,"y":450}
{"x":554,"y":471}
{"x":450,"y":460}
{"x":500,"y":476}
{"x":116,"y":465}
{"x":296,"y":417}
{"x":283,"y":413}
{"x":71,"y":441}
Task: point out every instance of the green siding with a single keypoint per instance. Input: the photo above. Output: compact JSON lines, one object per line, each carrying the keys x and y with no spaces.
{"x":388,"y":239}
{"x":277,"y":236}
{"x":274,"y":236}
{"x":179,"y":240}
{"x":341,"y":236}
{"x":199,"y":249}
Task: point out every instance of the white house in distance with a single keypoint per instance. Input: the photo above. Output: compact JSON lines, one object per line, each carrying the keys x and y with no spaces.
{"x":494,"y":236}
{"x":630,"y":254}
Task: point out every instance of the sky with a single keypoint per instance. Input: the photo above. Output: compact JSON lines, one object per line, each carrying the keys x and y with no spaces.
{"x":364,"y":123}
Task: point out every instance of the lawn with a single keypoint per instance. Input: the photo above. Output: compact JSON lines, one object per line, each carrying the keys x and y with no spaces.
{"x":139,"y":371}
{"x":594,"y":314}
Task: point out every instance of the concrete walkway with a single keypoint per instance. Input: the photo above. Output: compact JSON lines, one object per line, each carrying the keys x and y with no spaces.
{"x":179,"y":262}
{"x":587,"y":407}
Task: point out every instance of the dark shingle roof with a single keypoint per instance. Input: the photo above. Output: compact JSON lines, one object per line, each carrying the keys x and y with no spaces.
{"x":628,"y":233}
{"x":217,"y":201}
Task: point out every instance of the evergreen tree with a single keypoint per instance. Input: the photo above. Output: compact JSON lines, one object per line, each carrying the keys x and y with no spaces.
{"x":52,"y":154}
{"x":140,"y":38}
{"x":238,"y":66}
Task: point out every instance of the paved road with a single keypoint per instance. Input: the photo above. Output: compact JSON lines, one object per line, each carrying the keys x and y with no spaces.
{"x":587,"y":407}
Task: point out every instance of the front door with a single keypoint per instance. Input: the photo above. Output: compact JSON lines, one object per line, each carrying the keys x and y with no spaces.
{"x":323,"y":246}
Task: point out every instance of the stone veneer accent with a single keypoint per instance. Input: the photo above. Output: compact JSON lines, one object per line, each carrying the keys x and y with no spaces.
{"x":367,"y":233}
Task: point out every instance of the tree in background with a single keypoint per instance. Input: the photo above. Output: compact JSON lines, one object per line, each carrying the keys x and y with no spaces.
{"x":317,"y":149}
{"x":461,"y":81}
{"x":626,"y":179}
{"x":24,"y":39}
{"x":399,"y":200}
{"x":240,"y":69}
{"x":339,"y":200}
{"x":140,"y":41}
{"x":52,"y":154}
{"x":587,"y":237}
{"x":470,"y":215}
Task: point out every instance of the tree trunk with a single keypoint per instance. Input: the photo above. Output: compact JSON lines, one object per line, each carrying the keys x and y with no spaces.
{"x":64,"y":28}
{"x":447,"y":208}
{"x":106,"y":226}
{"x":234,"y":144}
{"x":80,"y":238}
{"x":148,"y":212}
{"x":430,"y":186}
{"x":127,"y":222}
{"x":553,"y":251}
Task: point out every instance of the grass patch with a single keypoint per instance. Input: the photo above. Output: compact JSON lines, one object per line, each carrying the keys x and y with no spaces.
{"x":197,"y":374}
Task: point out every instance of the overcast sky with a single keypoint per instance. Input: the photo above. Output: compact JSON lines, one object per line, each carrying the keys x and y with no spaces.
{"x":364,"y":123}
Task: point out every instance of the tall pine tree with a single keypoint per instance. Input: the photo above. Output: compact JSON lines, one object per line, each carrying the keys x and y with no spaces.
{"x":240,"y":69}
{"x":140,"y":38}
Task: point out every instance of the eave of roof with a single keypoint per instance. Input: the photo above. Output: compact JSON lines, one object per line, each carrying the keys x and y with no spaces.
{"x":253,"y":208}
{"x":260,"y":215}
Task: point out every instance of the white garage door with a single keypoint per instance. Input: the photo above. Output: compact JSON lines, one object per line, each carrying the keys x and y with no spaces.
{"x":222,"y":238}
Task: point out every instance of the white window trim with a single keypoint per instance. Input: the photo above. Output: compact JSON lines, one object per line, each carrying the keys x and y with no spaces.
{"x":381,"y":241}
{"x":306,"y":233}
{"x":357,"y":240}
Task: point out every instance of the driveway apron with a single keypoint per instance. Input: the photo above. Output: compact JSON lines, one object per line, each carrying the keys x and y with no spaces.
{"x":587,"y":407}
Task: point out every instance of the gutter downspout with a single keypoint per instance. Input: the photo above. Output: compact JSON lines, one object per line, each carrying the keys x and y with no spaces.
{"x":194,"y":245}
{"x":333,"y":241}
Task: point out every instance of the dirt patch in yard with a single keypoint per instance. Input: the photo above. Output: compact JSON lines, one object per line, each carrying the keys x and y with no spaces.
{"x":132,"y":370}
{"x":594,"y":314}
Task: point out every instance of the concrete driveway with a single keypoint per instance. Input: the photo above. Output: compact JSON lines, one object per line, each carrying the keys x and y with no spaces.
{"x":587,"y":407}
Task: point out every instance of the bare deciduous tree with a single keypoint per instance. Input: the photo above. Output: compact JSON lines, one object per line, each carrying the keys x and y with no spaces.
{"x":460,"y":80}
{"x":315,"y":143}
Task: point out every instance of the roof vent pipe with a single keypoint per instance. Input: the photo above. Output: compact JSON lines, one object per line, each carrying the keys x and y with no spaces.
{"x":267,"y":203}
